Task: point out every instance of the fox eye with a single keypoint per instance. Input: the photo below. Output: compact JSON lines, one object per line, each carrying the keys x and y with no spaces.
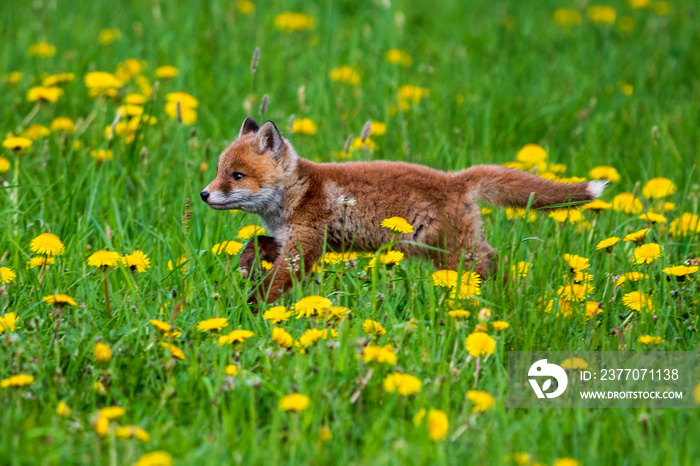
{"x":237,"y":176}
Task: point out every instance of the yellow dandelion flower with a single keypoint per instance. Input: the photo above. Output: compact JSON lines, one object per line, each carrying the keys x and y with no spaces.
{"x":44,"y":94}
{"x":597,"y":206}
{"x":188,"y":115}
{"x":577,"y":263}
{"x":459,"y":314}
{"x":127,"y":432}
{"x":652,"y":217}
{"x":531,"y":155}
{"x":304,"y":126}
{"x":638,"y":301}
{"x":277,"y":314}
{"x":409,"y":94}
{"x":103,"y":258}
{"x":42,"y":50}
{"x":648,"y":340}
{"x":102,"y":352}
{"x":630,"y":277}
{"x":397,"y":225}
{"x":373,"y":327}
{"x":175,"y":352}
{"x":381,"y":354}
{"x":403,"y":384}
{"x":59,"y":300}
{"x":166,"y":72}
{"x":520,"y":269}
{"x":311,"y":306}
{"x":230,"y":247}
{"x":62,"y":409}
{"x":680,"y":271}
{"x":345,"y":74}
{"x":137,"y":261}
{"x":13,"y":77}
{"x":295,"y":402}
{"x":607,"y":243}
{"x":604,"y":172}
{"x":290,"y":22}
{"x":398,"y":57}
{"x":19,"y":380}
{"x":520,"y":214}
{"x":628,"y":203}
{"x":47,"y":244}
{"x":637,"y":236}
{"x":601,"y":14}
{"x":482,"y":400}
{"x":217,"y":323}
{"x":282,"y":337}
{"x":166,"y":329}
{"x":388,"y":258}
{"x":647,"y":253}
{"x":4,"y":165}
{"x":107,"y":36}
{"x":438,"y":425}
{"x":101,"y":155}
{"x":6,"y":275}
{"x":63,"y":124}
{"x":8,"y":322}
{"x":101,"y":82}
{"x":35,"y":132}
{"x":575,"y":291}
{"x":231,"y":370}
{"x":249,"y":231}
{"x":567,"y":17}
{"x":500,"y":325}
{"x":685,"y":225}
{"x":155,"y":458}
{"x":53,"y":80}
{"x":480,"y":344}
{"x":657,"y":188}
{"x":245,"y":7}
{"x":574,"y":364}
{"x":180,"y":261}
{"x":17,"y":143}
{"x":236,"y":336}
{"x":567,"y":215}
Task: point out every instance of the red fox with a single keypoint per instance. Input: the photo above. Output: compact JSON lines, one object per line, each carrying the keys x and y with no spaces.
{"x":302,"y":203}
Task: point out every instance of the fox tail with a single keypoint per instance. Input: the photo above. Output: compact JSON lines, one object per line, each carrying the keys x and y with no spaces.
{"x":512,"y":188}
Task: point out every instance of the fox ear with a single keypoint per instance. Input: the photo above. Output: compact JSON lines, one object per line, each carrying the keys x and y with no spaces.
{"x":249,"y":126}
{"x":268,"y":139}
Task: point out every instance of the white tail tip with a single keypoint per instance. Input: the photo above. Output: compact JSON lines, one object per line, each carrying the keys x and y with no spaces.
{"x":596,"y":187}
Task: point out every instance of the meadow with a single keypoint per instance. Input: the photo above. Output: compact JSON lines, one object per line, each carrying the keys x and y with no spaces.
{"x":125,"y":333}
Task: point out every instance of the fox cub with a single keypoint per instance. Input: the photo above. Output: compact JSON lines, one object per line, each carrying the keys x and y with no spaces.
{"x":301,"y":203}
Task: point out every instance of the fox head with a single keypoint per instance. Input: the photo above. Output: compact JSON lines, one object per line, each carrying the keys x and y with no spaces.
{"x":251,"y":172}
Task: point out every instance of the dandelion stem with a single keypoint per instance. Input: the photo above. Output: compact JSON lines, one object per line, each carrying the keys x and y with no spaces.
{"x":109,"y":306}
{"x":32,"y":114}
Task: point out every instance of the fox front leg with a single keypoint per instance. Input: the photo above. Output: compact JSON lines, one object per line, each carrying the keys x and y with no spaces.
{"x":298,"y":257}
{"x":264,"y":247}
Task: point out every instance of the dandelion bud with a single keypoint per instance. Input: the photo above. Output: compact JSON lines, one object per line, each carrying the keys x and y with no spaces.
{"x":654,"y":134}
{"x":366,"y":130}
{"x":254,"y":61}
{"x":264,"y":104}
{"x":102,"y":352}
{"x":301,"y":97}
{"x":484,"y":314}
{"x":348,"y":144}
{"x":114,"y":124}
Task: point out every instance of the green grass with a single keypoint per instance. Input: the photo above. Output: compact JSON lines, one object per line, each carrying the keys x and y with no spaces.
{"x":500,"y":76}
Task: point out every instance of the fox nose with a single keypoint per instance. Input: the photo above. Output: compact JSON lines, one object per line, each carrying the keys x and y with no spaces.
{"x":205,"y":195}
